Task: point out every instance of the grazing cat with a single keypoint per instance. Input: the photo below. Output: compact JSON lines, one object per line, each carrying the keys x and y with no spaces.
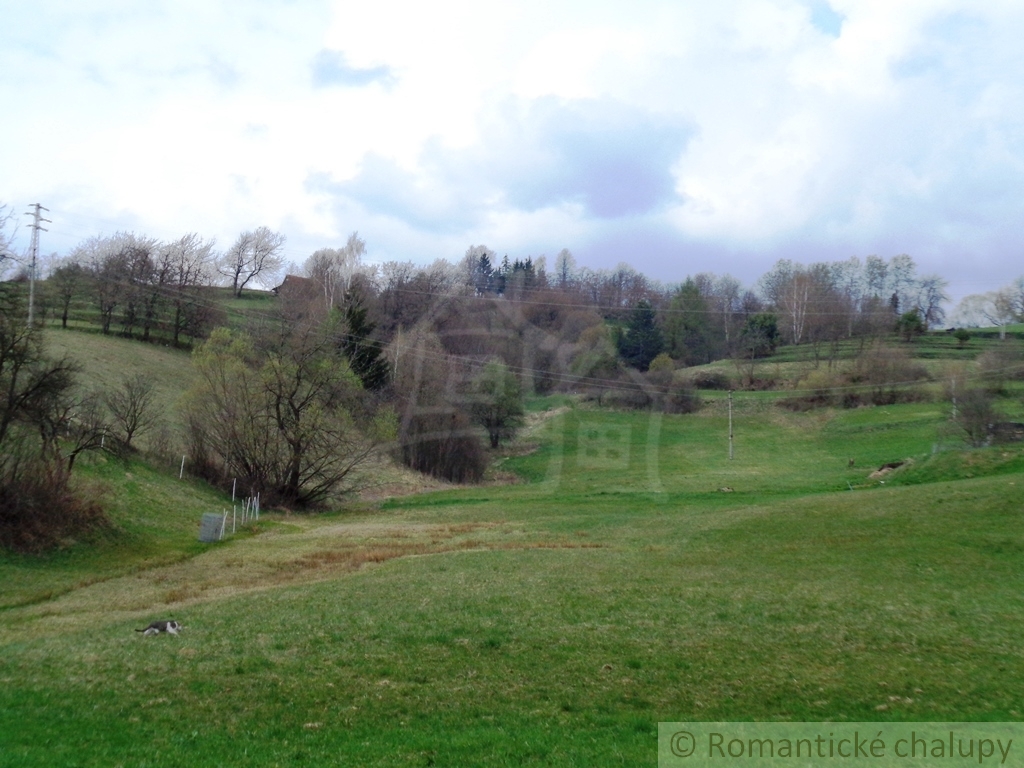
{"x":171,"y":627}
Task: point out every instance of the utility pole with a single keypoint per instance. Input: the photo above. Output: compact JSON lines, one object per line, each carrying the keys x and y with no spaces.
{"x":730,"y":425}
{"x":36,"y":227}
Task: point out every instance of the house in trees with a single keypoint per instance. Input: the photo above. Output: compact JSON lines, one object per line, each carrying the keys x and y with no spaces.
{"x":294,"y":284}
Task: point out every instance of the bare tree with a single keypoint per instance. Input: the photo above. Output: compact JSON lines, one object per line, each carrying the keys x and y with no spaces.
{"x":67,"y":280}
{"x":255,"y":255}
{"x":133,"y":407}
{"x":876,"y":276}
{"x":975,"y":415}
{"x":994,"y":308}
{"x":804,"y":297}
{"x":6,"y":220}
{"x":38,"y":440}
{"x":333,"y":268}
{"x":108,"y":286}
{"x":119,"y":268}
{"x":931,"y":295}
{"x":74,"y":424}
{"x":1015,"y":298}
{"x":139,"y":305}
{"x":190,"y":260}
{"x":565,"y":267}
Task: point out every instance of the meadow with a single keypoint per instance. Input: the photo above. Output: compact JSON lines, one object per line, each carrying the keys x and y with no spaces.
{"x":632,"y":574}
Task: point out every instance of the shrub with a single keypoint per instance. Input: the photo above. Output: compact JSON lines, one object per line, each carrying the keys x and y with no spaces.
{"x":817,"y":391}
{"x":887,"y":371}
{"x":681,"y":399}
{"x":910,"y":325}
{"x":442,"y":443}
{"x":661,"y":369}
{"x":975,"y":412}
{"x":1000,"y":365}
{"x":625,"y":396}
{"x":39,"y":508}
{"x":710,"y":379}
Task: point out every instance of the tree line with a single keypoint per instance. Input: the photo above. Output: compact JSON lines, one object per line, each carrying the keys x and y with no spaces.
{"x":431,"y":362}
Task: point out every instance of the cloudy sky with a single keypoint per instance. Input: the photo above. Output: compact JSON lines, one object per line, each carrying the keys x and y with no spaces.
{"x":679,"y":136}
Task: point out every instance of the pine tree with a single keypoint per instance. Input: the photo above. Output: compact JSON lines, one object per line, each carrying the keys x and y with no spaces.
{"x":365,"y":356}
{"x":641,"y":341}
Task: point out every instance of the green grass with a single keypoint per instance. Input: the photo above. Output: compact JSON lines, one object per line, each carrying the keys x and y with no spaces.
{"x":552,"y":622}
{"x":154,"y":520}
{"x":107,"y":360}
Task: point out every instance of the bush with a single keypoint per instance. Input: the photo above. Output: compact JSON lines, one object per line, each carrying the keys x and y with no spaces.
{"x":801,"y":403}
{"x":1000,"y":365}
{"x":39,"y":508}
{"x":661,"y":370}
{"x":974,"y":415}
{"x":710,"y":379}
{"x":817,"y":391}
{"x":681,"y":399}
{"x":443,"y":444}
{"x":668,"y":395}
{"x":887,"y":371}
{"x":626,"y":396}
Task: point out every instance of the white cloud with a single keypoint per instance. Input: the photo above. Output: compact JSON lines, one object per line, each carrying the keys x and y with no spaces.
{"x":760,"y":127}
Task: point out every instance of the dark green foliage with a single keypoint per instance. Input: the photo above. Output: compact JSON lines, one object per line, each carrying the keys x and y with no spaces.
{"x":688,"y":330}
{"x":365,"y":355}
{"x":641,"y":340}
{"x":760,"y":335}
{"x":910,"y":325}
{"x":484,"y":275}
{"x":517,"y":278}
{"x":962,"y":335}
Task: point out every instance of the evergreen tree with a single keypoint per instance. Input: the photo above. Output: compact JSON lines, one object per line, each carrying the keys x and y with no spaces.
{"x":365,"y":355}
{"x":483,"y":277}
{"x":641,"y":341}
{"x":688,"y":327}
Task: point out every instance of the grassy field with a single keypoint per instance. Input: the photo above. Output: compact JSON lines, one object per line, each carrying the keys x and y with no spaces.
{"x":636,"y":574}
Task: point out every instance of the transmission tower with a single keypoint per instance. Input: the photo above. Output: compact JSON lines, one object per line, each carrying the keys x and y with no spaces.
{"x":36,"y":227}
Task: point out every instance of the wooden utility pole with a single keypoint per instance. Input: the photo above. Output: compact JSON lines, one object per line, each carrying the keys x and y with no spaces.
{"x":730,"y":425}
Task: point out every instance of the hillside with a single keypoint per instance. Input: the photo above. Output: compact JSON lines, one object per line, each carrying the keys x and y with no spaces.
{"x":638,"y":575}
{"x":107,"y":360}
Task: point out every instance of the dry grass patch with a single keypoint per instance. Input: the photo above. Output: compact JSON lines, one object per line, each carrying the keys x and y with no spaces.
{"x":306,"y":552}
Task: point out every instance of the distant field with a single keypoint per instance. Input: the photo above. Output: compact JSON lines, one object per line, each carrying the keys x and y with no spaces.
{"x":637,"y":575}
